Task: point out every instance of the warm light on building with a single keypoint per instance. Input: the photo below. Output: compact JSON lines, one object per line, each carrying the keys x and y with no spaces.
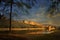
{"x":32,"y":23}
{"x":51,"y":28}
{"x":26,"y":22}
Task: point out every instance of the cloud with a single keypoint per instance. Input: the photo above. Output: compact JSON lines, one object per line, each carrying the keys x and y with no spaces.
{"x":39,"y":15}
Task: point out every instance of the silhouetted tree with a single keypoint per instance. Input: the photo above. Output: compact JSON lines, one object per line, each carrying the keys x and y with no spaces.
{"x":1,"y":16}
{"x":20,"y":4}
{"x":53,"y":7}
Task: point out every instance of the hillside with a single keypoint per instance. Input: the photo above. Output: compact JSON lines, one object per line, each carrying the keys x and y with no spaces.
{"x":4,"y":23}
{"x":24,"y":24}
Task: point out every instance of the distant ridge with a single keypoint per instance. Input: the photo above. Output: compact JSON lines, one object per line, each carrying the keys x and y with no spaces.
{"x":26,"y":23}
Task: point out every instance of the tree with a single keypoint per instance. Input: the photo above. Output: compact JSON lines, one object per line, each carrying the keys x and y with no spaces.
{"x":53,"y":7}
{"x":19,"y":4}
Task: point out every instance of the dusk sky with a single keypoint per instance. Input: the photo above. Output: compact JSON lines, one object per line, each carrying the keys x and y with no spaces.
{"x":37,"y":13}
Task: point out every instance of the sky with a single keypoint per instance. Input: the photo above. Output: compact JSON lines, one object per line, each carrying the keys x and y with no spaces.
{"x":37,"y":13}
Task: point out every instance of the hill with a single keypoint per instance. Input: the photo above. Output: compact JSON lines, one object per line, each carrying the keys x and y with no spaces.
{"x":24,"y":24}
